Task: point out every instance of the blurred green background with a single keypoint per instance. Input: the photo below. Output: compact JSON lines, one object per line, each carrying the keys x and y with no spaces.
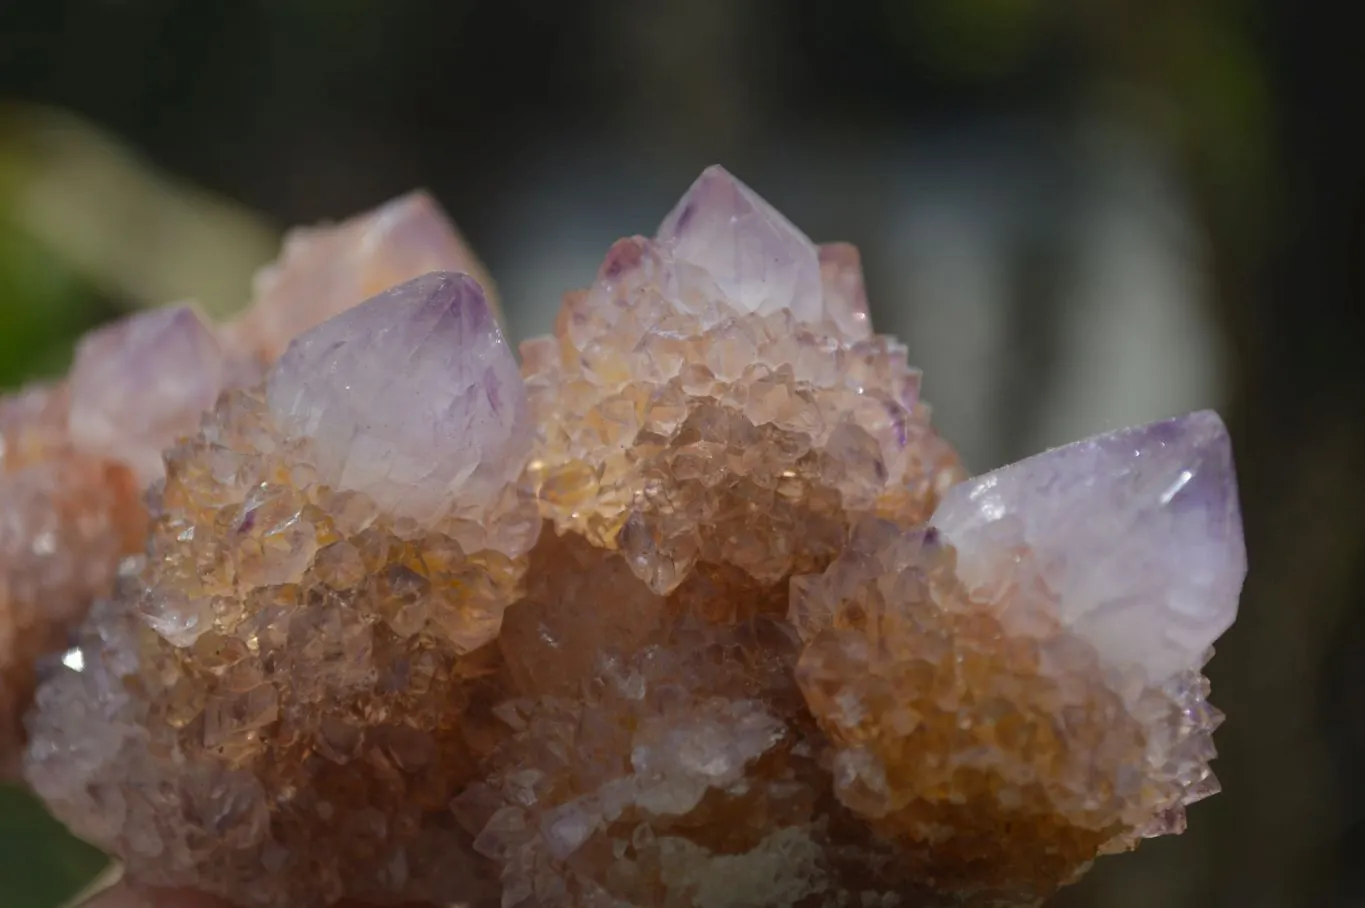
{"x":1076,"y":215}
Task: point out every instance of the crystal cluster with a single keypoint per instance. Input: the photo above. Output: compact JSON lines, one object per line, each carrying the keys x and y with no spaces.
{"x":75,"y":456}
{"x":694,"y":609}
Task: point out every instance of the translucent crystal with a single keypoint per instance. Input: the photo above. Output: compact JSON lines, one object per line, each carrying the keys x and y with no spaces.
{"x":413,"y":398}
{"x":723,"y":419}
{"x":845,"y":296}
{"x":1139,"y":531}
{"x":757,"y":258}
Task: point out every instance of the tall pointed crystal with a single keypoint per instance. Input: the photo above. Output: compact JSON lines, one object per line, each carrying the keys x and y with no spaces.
{"x":758,"y":258}
{"x":412,"y":397}
{"x":1138,"y":531}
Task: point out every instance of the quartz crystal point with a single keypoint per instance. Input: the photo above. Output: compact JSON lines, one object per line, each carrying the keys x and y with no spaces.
{"x":691,"y":416}
{"x":285,"y":695}
{"x":1138,"y":534}
{"x":756,"y":257}
{"x":137,"y":384}
{"x":708,"y":617}
{"x":325,"y":270}
{"x":1033,"y":657}
{"x":74,"y":457}
{"x":413,"y":398}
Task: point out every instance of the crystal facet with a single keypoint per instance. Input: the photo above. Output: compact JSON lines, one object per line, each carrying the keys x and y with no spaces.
{"x":1139,"y":531}
{"x":757,"y":258}
{"x":413,"y":398}
{"x":700,"y":611}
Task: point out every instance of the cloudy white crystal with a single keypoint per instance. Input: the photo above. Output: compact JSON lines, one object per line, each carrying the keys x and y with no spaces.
{"x":1138,"y":531}
{"x":756,"y":257}
{"x":412,"y":397}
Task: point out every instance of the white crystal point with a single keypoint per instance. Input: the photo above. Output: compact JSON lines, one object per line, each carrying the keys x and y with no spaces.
{"x":757,"y":258}
{"x":412,"y":397}
{"x":1139,"y":533}
{"x":140,"y":382}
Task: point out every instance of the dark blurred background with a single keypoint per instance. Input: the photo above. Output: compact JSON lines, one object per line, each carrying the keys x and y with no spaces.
{"x":1077,"y":215}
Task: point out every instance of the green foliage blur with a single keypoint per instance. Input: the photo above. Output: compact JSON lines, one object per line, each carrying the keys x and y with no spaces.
{"x":40,"y":864}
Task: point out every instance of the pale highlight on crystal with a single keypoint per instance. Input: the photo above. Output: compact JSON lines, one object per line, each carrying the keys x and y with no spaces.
{"x":701,"y":611}
{"x":413,"y":398}
{"x":757,"y":258}
{"x":1138,"y":531}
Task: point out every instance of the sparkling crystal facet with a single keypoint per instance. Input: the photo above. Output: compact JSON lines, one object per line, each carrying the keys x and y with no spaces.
{"x":755,"y":255}
{"x":1139,"y":530}
{"x":413,"y":398}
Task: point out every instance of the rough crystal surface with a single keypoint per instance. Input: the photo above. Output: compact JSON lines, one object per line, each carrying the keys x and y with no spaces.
{"x":692,"y":433}
{"x":288,"y":691}
{"x":75,"y":456}
{"x":758,"y":259}
{"x":710,"y":619}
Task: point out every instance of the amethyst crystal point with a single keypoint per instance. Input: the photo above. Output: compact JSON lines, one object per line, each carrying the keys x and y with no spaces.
{"x":140,"y":382}
{"x":1138,"y":532}
{"x":756,"y":257}
{"x":412,"y":397}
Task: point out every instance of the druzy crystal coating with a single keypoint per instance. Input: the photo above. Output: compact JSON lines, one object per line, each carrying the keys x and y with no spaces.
{"x":76,"y":455}
{"x":695,"y":608}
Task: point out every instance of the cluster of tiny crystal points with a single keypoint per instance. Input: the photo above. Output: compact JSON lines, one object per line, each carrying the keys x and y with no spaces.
{"x":76,"y":455}
{"x":712,"y":627}
{"x":998,"y":758}
{"x":66,"y":518}
{"x":304,"y":677}
{"x":688,"y":433}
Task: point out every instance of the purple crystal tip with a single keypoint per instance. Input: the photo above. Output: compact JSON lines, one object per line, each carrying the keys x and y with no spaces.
{"x":1139,"y":533}
{"x":412,"y":397}
{"x":757,"y":258}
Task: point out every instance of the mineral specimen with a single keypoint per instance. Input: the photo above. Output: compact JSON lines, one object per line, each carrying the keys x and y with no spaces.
{"x":701,"y":612}
{"x":75,"y":456}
